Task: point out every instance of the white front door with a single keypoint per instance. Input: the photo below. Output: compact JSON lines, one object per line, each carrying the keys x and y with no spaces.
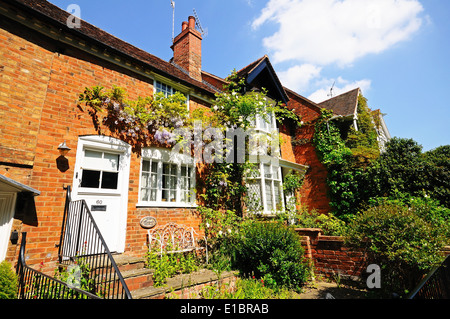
{"x":7,"y":205}
{"x":101,"y":178}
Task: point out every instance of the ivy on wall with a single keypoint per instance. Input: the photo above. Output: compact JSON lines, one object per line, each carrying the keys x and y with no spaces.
{"x":346,"y":153}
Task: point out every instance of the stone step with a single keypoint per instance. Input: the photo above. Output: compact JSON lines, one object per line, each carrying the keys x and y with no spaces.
{"x":125,"y":263}
{"x":179,"y":283}
{"x":138,"y":278}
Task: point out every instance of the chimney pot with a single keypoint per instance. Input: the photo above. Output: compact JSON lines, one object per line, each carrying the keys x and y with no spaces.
{"x":184,"y":26}
{"x":191,"y":22}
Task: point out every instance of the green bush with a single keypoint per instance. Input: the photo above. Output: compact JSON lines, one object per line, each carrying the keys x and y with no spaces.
{"x":273,"y":252}
{"x":8,"y":281}
{"x":405,"y":241}
{"x":170,"y":264}
{"x":248,"y":288}
{"x":329,"y":224}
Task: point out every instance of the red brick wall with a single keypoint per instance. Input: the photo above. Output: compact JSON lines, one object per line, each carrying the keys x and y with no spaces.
{"x":314,"y":191}
{"x":330,"y":256}
{"x":42,"y":115}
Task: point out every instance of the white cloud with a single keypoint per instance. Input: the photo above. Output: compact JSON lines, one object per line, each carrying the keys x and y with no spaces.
{"x":314,"y":34}
{"x":323,"y":32}
{"x":340,"y":86}
{"x":298,"y":77}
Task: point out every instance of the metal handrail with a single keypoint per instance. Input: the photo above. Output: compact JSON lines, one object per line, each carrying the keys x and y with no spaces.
{"x":436,"y":285}
{"x":36,"y":285}
{"x":82,"y":243}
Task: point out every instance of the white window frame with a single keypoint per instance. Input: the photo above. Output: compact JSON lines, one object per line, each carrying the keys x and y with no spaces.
{"x":171,"y":91}
{"x":103,"y":144}
{"x":267,"y":128}
{"x":7,"y":206}
{"x":271,"y":181}
{"x":165,"y":156}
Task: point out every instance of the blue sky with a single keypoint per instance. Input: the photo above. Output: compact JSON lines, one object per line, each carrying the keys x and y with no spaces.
{"x":396,"y":51}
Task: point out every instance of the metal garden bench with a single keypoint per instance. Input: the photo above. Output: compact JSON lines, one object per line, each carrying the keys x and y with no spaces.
{"x":173,"y":238}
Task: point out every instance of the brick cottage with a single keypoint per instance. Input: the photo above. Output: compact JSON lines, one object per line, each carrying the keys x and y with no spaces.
{"x":44,"y":66}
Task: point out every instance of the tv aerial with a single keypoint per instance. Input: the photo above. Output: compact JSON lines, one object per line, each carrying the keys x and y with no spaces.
{"x":204,"y":32}
{"x":172,"y":4}
{"x":331,"y":90}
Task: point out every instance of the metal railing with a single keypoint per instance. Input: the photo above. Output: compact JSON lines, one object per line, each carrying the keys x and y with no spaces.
{"x":83,"y":245}
{"x":436,"y":285}
{"x":36,"y":285}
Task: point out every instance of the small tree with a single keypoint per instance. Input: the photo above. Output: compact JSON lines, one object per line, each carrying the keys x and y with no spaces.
{"x":8,"y":281}
{"x":405,"y":241}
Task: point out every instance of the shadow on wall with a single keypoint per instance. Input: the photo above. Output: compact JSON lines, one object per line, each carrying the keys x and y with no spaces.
{"x":26,"y":209}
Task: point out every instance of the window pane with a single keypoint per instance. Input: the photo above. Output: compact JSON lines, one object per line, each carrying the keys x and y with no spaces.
{"x":90,"y":179}
{"x":111,"y":161}
{"x":174,"y":170}
{"x":145,"y":180}
{"x":166,"y":181}
{"x":153,"y":195}
{"x":165,"y":195}
{"x":254,"y":201}
{"x":109,"y":180}
{"x":269,"y":201}
{"x":173,"y":182}
{"x":93,"y":159}
{"x":92,"y":154}
{"x":154,"y":181}
{"x":144,"y":194}
{"x":145,"y":166}
{"x":154,"y":167}
{"x":277,"y":191}
{"x":166,"y":169}
{"x":275,"y":171}
{"x":267,"y":172}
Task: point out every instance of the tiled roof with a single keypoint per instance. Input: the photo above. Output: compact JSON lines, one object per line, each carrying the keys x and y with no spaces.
{"x":344,"y":104}
{"x":60,"y":16}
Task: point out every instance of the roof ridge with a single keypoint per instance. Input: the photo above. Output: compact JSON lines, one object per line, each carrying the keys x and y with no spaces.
{"x":59,"y":16}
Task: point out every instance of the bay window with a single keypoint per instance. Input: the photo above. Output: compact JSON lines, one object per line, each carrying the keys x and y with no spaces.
{"x":265,"y":192}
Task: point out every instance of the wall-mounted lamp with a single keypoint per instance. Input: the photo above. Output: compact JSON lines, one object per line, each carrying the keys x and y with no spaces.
{"x":63,"y":149}
{"x":61,"y":162}
{"x":14,"y":237}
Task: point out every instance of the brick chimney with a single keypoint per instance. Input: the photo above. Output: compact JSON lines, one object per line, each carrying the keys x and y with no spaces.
{"x":187,"y":49}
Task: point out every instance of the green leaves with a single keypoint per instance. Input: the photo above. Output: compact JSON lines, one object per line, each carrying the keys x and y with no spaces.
{"x":8,"y":281}
{"x":272,"y":251}
{"x":404,"y":239}
{"x":136,"y":121}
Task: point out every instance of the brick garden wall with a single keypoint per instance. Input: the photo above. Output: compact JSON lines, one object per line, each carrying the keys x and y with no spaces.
{"x":330,"y":256}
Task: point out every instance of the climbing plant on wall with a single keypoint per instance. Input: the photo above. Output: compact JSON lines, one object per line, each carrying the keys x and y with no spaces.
{"x":158,"y":120}
{"x":346,"y":155}
{"x":141,"y":122}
